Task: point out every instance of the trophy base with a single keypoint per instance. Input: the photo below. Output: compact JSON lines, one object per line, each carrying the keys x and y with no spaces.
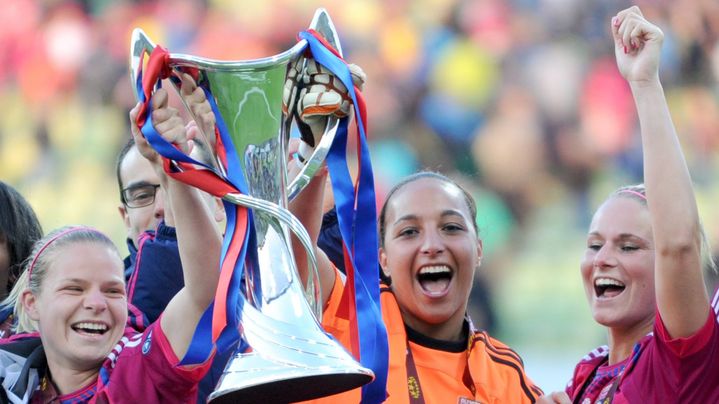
{"x":268,"y":382}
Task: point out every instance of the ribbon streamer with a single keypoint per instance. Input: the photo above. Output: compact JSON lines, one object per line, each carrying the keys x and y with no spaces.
{"x":357,"y":216}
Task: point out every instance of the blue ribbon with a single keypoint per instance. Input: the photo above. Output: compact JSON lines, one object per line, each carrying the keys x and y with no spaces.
{"x":359,"y":231}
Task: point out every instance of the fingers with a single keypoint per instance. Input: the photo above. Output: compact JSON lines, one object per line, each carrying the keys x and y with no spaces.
{"x":294,"y":165}
{"x":160,"y":99}
{"x":133,"y":120}
{"x":557,"y":397}
{"x":560,"y":397}
{"x":200,"y":107}
{"x":292,"y":146}
{"x":320,"y":102}
{"x":322,"y":95}
{"x":192,"y":130}
{"x":171,"y":127}
{"x":358,"y":75}
{"x":325,"y":93}
{"x":140,"y":142}
{"x":187,"y":85}
{"x":631,"y":30}
{"x":193,"y":95}
{"x":167,"y":121}
{"x":289,"y":91}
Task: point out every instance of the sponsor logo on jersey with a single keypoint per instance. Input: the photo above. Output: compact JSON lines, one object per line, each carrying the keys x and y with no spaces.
{"x":147,"y":344}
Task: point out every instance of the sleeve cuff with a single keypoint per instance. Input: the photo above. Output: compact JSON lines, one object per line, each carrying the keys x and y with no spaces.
{"x":165,"y":232}
{"x":683,"y":347}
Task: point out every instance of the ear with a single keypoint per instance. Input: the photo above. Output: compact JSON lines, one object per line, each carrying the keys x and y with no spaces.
{"x":29,"y":302}
{"x":123,"y":214}
{"x":479,"y":252}
{"x":383,"y":262}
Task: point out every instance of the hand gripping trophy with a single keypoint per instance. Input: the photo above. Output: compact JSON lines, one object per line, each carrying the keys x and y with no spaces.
{"x":260,"y":297}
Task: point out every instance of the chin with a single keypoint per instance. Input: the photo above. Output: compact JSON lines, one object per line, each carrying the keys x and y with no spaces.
{"x":602,"y":317}
{"x":439,"y":317}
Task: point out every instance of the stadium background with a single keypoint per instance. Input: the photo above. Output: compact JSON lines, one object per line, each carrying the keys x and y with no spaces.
{"x":519,"y":100}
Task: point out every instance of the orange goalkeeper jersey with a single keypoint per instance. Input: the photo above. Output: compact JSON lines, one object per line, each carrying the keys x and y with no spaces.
{"x":484,"y":371}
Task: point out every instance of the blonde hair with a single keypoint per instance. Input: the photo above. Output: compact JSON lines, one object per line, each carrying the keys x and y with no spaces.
{"x":37,"y":265}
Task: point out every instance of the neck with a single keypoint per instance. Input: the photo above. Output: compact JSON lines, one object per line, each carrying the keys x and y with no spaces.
{"x":68,"y":380}
{"x":623,"y":339}
{"x":451,"y":330}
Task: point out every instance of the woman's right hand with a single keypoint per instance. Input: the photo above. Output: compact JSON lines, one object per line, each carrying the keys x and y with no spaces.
{"x":637,"y":45}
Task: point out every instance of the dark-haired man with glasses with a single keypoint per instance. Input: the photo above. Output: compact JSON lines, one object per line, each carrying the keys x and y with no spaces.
{"x":142,"y":202}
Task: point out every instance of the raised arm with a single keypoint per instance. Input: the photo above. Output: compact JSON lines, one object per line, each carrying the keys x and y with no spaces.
{"x":198,"y":238}
{"x":323,"y":95}
{"x":681,"y":296}
{"x":307,"y":207}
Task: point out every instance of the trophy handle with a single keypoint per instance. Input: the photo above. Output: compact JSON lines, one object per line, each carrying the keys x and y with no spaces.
{"x":321,"y":23}
{"x":139,"y":44}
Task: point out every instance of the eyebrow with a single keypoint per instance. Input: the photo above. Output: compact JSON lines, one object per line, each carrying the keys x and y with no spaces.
{"x":80,"y":280}
{"x":622,"y":236}
{"x":137,"y":184}
{"x":445,"y":213}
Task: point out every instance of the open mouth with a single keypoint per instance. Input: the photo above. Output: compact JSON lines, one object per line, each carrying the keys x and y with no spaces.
{"x":434,"y":279}
{"x":607,"y":287}
{"x":90,"y":328}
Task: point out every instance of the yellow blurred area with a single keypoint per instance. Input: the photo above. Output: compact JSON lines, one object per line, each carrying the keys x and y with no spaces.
{"x":399,"y":46}
{"x":466,"y":73}
{"x":18,"y":147}
{"x":363,"y":17}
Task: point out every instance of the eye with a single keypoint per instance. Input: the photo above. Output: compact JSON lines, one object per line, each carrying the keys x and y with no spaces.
{"x":453,"y":227}
{"x":141,"y":196}
{"x":594,"y":246}
{"x":72,"y":288}
{"x":629,"y":247}
{"x":407,"y":232}
{"x":118,"y":292}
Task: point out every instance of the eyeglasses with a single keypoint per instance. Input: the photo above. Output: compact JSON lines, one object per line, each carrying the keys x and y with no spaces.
{"x":138,"y":196}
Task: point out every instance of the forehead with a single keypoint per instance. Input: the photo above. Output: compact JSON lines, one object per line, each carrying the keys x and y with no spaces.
{"x":135,"y":168}
{"x":86,"y":260}
{"x":620,"y":215}
{"x":427,"y":195}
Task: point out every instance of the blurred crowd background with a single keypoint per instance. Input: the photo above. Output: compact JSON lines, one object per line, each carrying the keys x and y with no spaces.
{"x":518,"y":99}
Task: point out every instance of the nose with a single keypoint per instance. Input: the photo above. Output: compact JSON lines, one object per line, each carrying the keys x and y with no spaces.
{"x":95,"y":301}
{"x":432,"y":243}
{"x":158,"y":208}
{"x":604,"y":258}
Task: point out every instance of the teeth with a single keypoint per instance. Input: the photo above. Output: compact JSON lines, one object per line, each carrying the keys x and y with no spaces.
{"x":434,"y":270}
{"x":91,"y":326}
{"x":607,"y":282}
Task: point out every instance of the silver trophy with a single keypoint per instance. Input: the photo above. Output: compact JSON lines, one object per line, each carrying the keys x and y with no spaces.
{"x":291,"y":357}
